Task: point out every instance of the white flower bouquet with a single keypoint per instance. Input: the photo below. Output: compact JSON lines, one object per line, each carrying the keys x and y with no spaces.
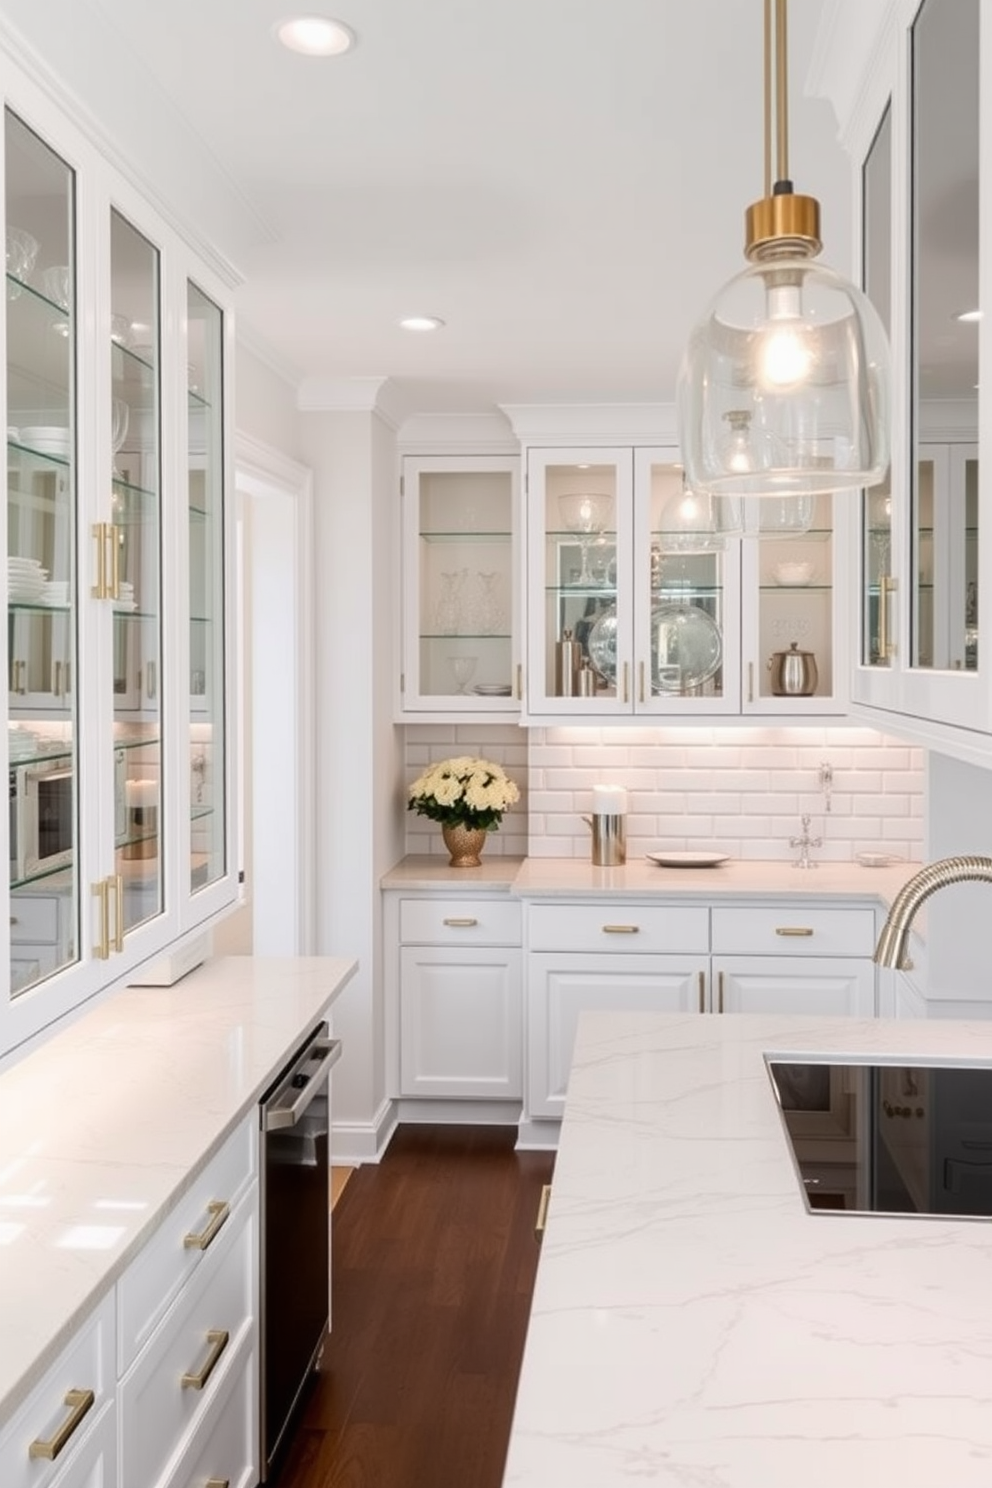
{"x":464,"y":792}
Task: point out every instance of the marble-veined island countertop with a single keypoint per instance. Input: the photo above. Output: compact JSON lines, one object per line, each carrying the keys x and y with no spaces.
{"x":695,"y":1326}
{"x":104,"y":1126}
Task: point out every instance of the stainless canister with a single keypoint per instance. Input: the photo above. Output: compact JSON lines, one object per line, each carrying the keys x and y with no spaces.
{"x":568,"y":659}
{"x":794,"y":672}
{"x":609,"y":840}
{"x":586,"y":681}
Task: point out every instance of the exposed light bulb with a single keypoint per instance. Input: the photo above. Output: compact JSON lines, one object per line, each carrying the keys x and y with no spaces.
{"x":784,"y":357}
{"x":739,"y":455}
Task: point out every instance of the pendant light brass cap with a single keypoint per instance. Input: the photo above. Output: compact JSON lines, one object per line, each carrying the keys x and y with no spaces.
{"x":782,"y":224}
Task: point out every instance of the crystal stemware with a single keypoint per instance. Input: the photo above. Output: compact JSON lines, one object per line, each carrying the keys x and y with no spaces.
{"x":587,"y":516}
{"x":463,"y":670}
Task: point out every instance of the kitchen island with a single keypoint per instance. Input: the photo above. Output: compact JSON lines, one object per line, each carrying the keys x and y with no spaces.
{"x":693,"y":1324}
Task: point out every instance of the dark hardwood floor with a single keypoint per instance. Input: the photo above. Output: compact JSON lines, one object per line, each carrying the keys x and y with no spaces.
{"x":433,"y":1259}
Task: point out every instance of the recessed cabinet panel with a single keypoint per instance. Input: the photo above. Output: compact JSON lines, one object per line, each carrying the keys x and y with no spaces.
{"x":41,"y":556}
{"x":135,"y":563}
{"x":207,"y":701}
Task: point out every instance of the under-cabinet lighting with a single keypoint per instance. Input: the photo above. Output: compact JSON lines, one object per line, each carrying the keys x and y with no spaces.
{"x":315,"y":36}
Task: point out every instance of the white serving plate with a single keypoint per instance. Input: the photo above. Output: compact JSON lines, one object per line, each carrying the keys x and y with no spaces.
{"x":688,"y":859}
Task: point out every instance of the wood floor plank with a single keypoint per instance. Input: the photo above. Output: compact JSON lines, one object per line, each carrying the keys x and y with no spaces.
{"x":433,"y":1259}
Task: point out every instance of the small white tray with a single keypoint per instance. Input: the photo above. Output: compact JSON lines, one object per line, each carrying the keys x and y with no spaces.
{"x":688,"y":859}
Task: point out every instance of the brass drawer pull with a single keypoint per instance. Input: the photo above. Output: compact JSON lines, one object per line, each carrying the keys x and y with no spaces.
{"x":219,"y":1211}
{"x":218,"y":1338}
{"x":702,"y":991}
{"x":621,"y":929}
{"x":541,"y":1222}
{"x":79,"y":1402}
{"x":792,"y":930}
{"x":461,"y":924}
{"x":217,"y":1483}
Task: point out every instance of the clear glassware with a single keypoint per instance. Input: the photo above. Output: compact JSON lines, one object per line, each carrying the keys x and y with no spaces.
{"x":449,"y":613}
{"x":491,"y":617}
{"x":121,"y":419}
{"x":463,"y":670}
{"x":586,"y":515}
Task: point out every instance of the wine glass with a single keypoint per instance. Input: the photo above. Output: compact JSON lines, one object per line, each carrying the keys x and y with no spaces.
{"x":586,"y":515}
{"x":463,"y":670}
{"x":121,"y":418}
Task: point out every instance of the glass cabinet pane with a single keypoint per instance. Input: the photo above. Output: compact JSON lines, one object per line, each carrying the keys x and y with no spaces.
{"x":136,"y":580}
{"x":582,"y":604}
{"x":796,"y":608}
{"x":685,"y":608}
{"x":945,"y":332}
{"x":464,"y":582}
{"x":208,"y":806}
{"x":41,"y":558}
{"x":876,"y":508}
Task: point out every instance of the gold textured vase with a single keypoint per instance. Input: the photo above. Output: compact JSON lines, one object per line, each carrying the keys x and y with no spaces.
{"x":464,"y":845}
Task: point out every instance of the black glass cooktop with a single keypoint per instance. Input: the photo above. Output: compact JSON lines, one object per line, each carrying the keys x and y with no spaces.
{"x":890,"y":1139}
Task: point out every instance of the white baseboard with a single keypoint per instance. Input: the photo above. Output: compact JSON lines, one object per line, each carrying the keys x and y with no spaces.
{"x":537,"y":1136}
{"x":357,"y":1142}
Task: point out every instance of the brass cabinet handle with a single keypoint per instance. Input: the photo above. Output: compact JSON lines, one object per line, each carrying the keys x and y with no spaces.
{"x":115,"y":536}
{"x":621,"y":929}
{"x":719,"y":988}
{"x":217,"y":1483}
{"x":78,"y":1402}
{"x":218,"y":1338}
{"x":792,"y":930}
{"x":117,"y":879}
{"x":887,"y":586}
{"x":702,"y":991}
{"x":102,"y":948}
{"x":640,"y":682}
{"x":626,"y":682}
{"x":541,"y":1222}
{"x":219,"y":1211}
{"x":750,"y":681}
{"x":520,"y":681}
{"x":460,"y":924}
{"x":99,"y":590}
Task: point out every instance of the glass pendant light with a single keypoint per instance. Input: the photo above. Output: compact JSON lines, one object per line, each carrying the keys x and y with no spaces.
{"x":765,"y":515}
{"x":784,"y":383}
{"x":692,"y":524}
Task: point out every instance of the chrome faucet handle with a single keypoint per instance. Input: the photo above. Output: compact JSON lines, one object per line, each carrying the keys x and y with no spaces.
{"x":804,"y":843}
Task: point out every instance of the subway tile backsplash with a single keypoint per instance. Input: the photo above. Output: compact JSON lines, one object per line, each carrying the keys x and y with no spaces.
{"x":741,"y":789}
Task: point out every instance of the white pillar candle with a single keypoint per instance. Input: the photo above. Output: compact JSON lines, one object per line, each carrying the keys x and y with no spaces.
{"x":609,"y":800}
{"x":140,"y":793}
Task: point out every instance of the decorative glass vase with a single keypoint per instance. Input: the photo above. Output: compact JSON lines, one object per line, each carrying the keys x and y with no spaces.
{"x":464,"y":845}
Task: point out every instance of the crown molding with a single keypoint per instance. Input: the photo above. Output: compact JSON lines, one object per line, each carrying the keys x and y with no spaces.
{"x":593,"y":423}
{"x":457,"y":433}
{"x":376,"y":395}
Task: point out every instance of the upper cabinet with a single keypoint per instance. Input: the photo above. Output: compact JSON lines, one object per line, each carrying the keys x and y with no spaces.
{"x":634,"y":610}
{"x":920,"y":142}
{"x":118,"y":635}
{"x":460,"y":611}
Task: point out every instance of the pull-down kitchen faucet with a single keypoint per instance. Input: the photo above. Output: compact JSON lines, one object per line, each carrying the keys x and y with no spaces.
{"x":893,"y":943}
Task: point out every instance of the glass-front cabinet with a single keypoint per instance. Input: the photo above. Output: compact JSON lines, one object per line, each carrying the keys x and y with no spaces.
{"x":119,"y":834}
{"x":460,"y":645}
{"x":638,"y":607}
{"x":924,"y":567}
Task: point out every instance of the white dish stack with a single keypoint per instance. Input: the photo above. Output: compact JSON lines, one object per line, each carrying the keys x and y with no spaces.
{"x":25,"y":580}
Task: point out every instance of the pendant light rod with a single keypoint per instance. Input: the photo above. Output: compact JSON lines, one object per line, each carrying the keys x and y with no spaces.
{"x":782,"y":95}
{"x":768,"y":97}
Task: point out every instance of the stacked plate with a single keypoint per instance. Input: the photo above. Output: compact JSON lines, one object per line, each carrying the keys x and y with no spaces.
{"x":55,"y":593}
{"x":47,"y":439}
{"x":126,"y":600}
{"x":492,"y":689}
{"x":25,"y":580}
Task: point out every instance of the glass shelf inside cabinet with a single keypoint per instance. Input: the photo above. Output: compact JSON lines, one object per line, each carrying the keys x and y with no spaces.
{"x":464,"y":525}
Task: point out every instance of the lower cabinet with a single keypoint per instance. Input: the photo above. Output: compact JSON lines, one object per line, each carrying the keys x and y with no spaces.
{"x":561,"y":985}
{"x":793,"y":958}
{"x":454,"y":997}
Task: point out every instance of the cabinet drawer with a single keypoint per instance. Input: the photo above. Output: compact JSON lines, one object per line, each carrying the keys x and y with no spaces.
{"x":172,"y":1387}
{"x":151,"y":1283}
{"x":225,"y":1448}
{"x":86,"y":1364}
{"x":793,"y":930}
{"x":460,"y":922}
{"x":34,"y":917}
{"x":604,"y":925}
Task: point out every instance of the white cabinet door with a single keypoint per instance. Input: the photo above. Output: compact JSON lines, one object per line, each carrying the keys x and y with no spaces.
{"x":561,"y":985}
{"x":460,"y":1022}
{"x":841,"y":986}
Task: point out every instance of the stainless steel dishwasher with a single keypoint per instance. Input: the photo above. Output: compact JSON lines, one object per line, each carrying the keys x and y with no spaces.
{"x":295,"y":1251}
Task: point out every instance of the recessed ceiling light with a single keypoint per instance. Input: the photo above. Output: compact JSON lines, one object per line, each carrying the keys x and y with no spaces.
{"x":421,"y":323}
{"x":970,"y":315}
{"x":315,"y":36}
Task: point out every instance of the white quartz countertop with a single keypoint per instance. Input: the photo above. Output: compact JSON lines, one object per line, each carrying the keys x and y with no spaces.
{"x":694,"y":1325}
{"x":560,"y":878}
{"x":104,"y":1125}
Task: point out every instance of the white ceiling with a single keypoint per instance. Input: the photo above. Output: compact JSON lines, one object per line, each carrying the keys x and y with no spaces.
{"x":564,"y":183}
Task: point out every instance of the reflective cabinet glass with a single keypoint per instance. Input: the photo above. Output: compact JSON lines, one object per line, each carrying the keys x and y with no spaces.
{"x":41,"y":558}
{"x":207,"y":701}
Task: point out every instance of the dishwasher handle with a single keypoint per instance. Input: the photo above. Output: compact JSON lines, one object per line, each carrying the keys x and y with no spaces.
{"x":278,"y":1118}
